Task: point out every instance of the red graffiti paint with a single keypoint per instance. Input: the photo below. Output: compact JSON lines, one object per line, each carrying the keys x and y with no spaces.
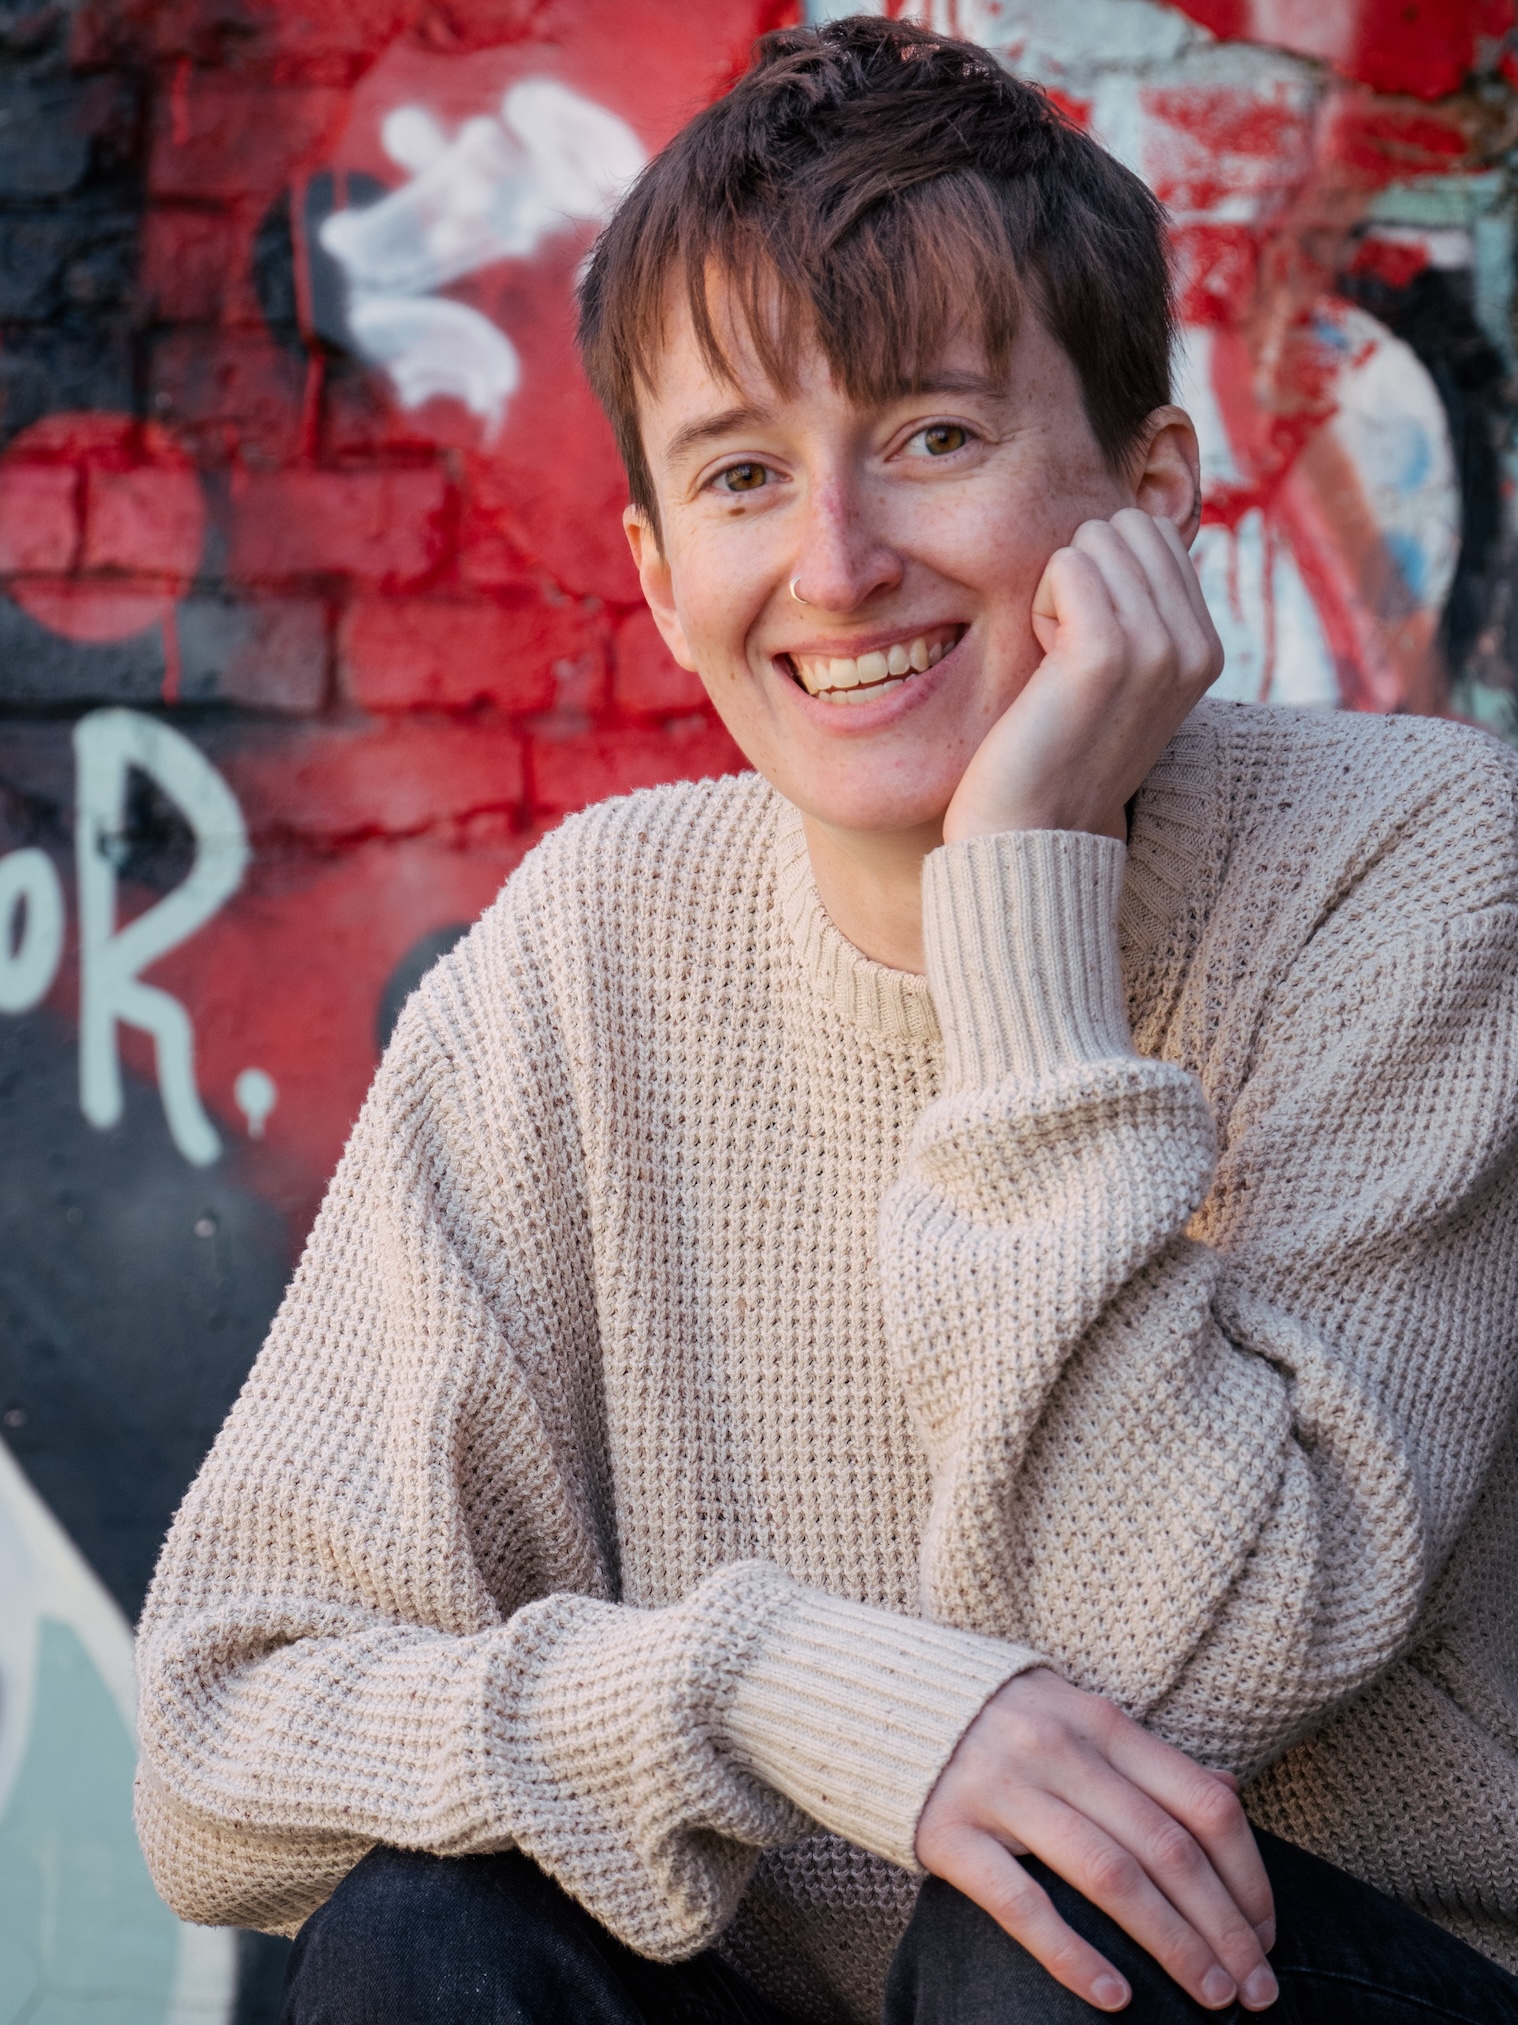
{"x":1426,"y":48}
{"x":102,"y":522}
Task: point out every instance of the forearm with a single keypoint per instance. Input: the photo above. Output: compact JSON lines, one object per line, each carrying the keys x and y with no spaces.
{"x":1106,"y":1459}
{"x":585,"y":1733}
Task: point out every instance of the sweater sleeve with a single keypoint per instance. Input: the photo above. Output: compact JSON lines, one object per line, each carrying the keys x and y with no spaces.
{"x":1207,"y":1459}
{"x":386,"y":1611}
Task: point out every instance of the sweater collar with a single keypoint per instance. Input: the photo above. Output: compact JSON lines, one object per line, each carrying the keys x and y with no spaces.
{"x":1177,"y":836}
{"x":893,"y":1005}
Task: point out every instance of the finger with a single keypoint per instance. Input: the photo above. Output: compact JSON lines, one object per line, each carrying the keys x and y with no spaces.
{"x":1075,"y":599}
{"x":1114,"y":1879}
{"x":1153,"y":539}
{"x":1171,"y":535}
{"x":1203,"y":1805}
{"x":1149,"y":630}
{"x":1178,"y":1866}
{"x":1177,"y":595}
{"x":1165,"y":562}
{"x":981,"y":1868}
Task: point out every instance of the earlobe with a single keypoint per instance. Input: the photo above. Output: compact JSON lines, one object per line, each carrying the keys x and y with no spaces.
{"x":1169,"y":480}
{"x":658,"y":584}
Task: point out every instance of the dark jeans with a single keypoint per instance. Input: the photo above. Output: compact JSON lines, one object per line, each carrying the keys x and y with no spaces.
{"x":490,"y":1940}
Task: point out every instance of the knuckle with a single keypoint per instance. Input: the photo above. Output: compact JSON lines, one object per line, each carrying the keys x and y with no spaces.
{"x":1111,"y":1873}
{"x":1216,"y":1808}
{"x":1174,"y":1851}
{"x":1017,"y":1902}
{"x":1041,"y":1735}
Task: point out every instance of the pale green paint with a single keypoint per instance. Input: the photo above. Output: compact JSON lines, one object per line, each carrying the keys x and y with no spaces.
{"x":84,"y":1938}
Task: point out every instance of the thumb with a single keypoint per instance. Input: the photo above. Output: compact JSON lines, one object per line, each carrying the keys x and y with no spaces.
{"x":1045,"y":613}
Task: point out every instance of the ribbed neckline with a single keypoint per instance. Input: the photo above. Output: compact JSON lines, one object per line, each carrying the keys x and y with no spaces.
{"x":1177,"y":815}
{"x":891,"y":1004}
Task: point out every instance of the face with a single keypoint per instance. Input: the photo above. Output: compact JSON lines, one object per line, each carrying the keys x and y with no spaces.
{"x":854,"y":584}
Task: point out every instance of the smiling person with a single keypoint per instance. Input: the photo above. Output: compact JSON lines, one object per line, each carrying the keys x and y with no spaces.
{"x":903,"y":1404}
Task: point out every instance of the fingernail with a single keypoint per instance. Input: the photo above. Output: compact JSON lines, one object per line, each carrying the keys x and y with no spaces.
{"x":1217,"y":1986}
{"x":1260,"y":1989}
{"x":1109,"y":1993}
{"x":1265,"y":1934}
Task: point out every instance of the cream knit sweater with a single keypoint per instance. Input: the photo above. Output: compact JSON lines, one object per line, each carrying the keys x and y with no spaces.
{"x":721,"y":1361}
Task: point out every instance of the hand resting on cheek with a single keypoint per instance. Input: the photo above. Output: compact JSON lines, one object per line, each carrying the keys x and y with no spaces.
{"x":1129,"y":648}
{"x":1158,"y":1842}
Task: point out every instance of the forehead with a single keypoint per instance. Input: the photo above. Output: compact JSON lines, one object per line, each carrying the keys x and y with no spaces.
{"x":698,"y":392}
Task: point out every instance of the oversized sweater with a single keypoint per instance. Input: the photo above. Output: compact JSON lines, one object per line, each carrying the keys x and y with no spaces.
{"x":721,"y":1361}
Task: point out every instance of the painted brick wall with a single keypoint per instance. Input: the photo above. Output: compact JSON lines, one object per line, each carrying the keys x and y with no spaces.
{"x":315,"y":611}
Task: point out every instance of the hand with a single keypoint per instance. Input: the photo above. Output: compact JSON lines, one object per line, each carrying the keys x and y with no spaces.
{"x":1129,"y":648}
{"x":1158,"y":1842}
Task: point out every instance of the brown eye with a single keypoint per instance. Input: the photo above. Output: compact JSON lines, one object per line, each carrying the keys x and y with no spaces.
{"x":744,"y":477}
{"x":944,"y":437}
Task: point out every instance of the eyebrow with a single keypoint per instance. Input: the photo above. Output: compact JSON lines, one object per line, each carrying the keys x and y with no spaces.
{"x":707,"y":428}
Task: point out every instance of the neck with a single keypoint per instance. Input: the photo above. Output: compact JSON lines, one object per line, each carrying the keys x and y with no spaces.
{"x":871,"y":885}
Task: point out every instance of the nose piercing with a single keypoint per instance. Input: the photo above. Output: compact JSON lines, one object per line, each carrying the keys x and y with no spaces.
{"x":795,"y":593}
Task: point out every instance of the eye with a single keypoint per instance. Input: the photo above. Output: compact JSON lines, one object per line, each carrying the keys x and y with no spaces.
{"x":941,"y":439}
{"x":742,"y":477}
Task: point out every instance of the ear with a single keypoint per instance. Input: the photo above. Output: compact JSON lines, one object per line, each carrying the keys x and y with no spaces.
{"x":658,"y":585}
{"x":1167,"y":482}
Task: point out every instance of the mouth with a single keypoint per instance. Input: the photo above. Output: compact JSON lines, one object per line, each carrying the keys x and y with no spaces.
{"x":862,"y":678}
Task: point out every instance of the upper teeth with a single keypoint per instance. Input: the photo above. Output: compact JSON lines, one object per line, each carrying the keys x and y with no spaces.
{"x":834,"y":677}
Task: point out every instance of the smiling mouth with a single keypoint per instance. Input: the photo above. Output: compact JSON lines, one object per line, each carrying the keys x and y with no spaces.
{"x":860,"y":679}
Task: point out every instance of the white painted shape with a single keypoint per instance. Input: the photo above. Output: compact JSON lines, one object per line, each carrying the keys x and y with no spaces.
{"x":412,"y":138}
{"x":31,"y":929}
{"x":495,"y":191}
{"x":256,"y":1094}
{"x":1393,"y":425}
{"x":1271,"y":656}
{"x":107,"y":744}
{"x":43,"y":1573}
{"x":459,"y":214}
{"x":583,"y":156}
{"x":1051,"y":39}
{"x":430,"y":345}
{"x":1304,"y":671}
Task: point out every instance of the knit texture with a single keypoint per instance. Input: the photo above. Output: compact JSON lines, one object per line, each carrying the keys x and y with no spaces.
{"x":721,"y":1362}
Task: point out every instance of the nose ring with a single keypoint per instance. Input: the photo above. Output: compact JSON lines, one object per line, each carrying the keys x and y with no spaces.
{"x":795,"y":593}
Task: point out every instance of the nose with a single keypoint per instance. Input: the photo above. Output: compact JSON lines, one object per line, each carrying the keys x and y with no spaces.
{"x":841,"y":560}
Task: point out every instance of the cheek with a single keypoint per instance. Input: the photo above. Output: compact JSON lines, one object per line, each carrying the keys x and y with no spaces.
{"x":719,"y":596}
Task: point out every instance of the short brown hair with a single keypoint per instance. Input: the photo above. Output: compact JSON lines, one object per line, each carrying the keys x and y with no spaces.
{"x":871,"y":184}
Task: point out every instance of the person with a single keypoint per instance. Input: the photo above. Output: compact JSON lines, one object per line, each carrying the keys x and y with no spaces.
{"x":944,"y":1307}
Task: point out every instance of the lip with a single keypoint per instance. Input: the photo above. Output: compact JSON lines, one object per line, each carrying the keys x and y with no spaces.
{"x":857,"y":719}
{"x":849,"y":646}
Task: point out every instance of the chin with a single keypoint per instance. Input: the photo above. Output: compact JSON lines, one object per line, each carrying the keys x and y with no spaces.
{"x":861,"y":807}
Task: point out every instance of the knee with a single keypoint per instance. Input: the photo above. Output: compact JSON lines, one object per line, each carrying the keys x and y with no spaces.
{"x":404,"y":1928}
{"x":952,"y":1958}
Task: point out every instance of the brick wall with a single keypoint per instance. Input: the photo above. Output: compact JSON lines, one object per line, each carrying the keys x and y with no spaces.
{"x":315,"y":611}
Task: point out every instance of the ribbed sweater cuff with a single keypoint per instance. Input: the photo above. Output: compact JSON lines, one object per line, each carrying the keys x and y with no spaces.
{"x":852,"y":1713}
{"x":1020,"y":931}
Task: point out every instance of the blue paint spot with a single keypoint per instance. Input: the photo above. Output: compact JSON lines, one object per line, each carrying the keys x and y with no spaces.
{"x":1407,"y":553}
{"x":1410,"y":457}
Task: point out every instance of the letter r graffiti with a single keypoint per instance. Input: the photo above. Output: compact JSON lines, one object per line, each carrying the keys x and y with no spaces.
{"x":107,"y":744}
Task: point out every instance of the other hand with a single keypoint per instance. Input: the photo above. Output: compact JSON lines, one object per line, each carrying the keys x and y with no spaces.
{"x":1129,"y":648}
{"x":1161,"y":1844}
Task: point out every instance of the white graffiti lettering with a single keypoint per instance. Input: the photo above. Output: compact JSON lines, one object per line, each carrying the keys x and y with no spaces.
{"x":31,"y":929}
{"x":107,"y":745}
{"x":493,"y":191}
